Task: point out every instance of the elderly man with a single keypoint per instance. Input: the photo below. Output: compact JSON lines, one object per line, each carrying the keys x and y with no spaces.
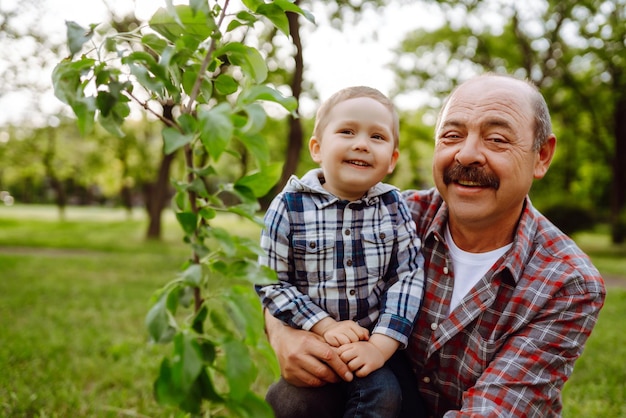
{"x":509,"y":299}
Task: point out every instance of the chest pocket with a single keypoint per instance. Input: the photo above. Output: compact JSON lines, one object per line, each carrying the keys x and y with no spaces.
{"x":313,"y":257}
{"x":377,"y":248}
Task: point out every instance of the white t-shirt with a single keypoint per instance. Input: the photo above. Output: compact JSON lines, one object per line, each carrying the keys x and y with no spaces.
{"x":469,"y":268}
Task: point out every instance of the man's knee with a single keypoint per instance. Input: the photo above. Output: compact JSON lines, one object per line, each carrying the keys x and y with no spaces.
{"x":288,"y":401}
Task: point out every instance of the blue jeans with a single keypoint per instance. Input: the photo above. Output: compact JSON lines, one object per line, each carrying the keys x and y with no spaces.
{"x":389,"y":392}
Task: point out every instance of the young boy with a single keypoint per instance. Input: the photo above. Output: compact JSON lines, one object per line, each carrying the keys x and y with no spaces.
{"x":346,"y":251}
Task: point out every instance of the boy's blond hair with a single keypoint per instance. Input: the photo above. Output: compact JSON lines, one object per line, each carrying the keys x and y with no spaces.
{"x":321,"y":118}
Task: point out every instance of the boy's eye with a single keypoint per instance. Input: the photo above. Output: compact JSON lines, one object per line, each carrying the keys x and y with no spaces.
{"x":377,"y":136}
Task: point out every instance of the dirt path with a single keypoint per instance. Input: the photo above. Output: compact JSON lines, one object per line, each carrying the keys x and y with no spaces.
{"x":614,"y":281}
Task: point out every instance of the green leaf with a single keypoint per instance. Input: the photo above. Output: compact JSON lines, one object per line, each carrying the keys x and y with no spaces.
{"x":256,"y":118}
{"x":216,"y":128}
{"x":262,"y":92}
{"x":157,"y":322}
{"x":182,"y":21}
{"x":187,"y":123}
{"x":257,"y":145}
{"x":226,"y":84}
{"x":276,"y":15}
{"x":206,"y":347}
{"x":186,"y":362}
{"x":290,"y":6}
{"x":262,"y":181}
{"x":188,"y":221}
{"x":164,"y":392}
{"x":240,"y":371}
{"x":67,"y":79}
{"x":154,"y":42}
{"x":251,"y":406}
{"x":246,"y":312}
{"x":207,"y":213}
{"x":85,"y":111}
{"x":173,"y":140}
{"x":198,"y":187}
{"x":208,"y":389}
{"x":193,"y":275}
{"x":77,"y":36}
{"x":226,"y":243}
{"x":247,"y":58}
{"x":253,"y":4}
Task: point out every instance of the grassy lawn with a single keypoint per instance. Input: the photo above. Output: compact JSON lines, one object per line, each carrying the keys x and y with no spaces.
{"x":74,"y":294}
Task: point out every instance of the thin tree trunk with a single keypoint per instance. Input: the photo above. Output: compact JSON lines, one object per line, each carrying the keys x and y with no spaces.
{"x":294,"y":140}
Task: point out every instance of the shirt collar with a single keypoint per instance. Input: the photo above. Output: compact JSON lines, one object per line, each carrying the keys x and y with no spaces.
{"x":312,"y":182}
{"x":521,"y":248}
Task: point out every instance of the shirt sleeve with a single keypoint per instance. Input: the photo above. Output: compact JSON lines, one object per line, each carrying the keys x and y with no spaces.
{"x":525,"y":378}
{"x":283,"y":299}
{"x":403,"y":293}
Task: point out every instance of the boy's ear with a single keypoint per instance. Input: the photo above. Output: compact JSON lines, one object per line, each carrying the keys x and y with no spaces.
{"x":394,"y":160}
{"x":314,"y":149}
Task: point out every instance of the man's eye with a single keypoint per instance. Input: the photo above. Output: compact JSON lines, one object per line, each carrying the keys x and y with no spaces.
{"x":497,"y":140}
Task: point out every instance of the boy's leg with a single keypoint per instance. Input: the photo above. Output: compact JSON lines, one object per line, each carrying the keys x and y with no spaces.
{"x":376,"y":395}
{"x":289,"y":401}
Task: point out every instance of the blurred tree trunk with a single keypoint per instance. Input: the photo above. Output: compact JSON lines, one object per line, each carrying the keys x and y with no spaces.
{"x":157,"y":193}
{"x":57,"y":185}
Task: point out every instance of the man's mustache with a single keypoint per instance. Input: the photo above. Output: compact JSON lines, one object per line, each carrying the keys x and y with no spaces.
{"x":467,"y":174}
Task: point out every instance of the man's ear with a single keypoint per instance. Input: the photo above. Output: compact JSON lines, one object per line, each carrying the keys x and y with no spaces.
{"x":545,"y":155}
{"x":314,"y":150}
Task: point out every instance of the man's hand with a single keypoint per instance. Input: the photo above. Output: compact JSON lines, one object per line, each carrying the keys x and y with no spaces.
{"x":305,"y":359}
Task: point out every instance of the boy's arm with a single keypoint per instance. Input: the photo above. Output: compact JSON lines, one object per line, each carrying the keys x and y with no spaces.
{"x":402,"y":297}
{"x":283,"y":299}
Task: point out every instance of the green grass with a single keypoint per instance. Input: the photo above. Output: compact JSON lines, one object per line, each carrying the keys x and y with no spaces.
{"x":74,"y":295}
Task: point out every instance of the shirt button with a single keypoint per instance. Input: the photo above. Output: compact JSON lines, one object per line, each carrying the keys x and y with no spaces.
{"x":352,"y":292}
{"x":445,"y":270}
{"x":347,"y":232}
{"x":434,"y":326}
{"x":312,"y":244}
{"x":349,"y":263}
{"x":426,"y":379}
{"x":382,"y":235}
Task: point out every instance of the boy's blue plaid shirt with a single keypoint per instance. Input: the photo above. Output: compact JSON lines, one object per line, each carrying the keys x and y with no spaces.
{"x":355,"y":260}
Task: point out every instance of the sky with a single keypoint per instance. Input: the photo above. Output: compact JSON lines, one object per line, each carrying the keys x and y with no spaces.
{"x":333,"y":59}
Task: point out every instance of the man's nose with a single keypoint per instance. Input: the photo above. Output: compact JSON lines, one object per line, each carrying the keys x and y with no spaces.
{"x":471,"y":151}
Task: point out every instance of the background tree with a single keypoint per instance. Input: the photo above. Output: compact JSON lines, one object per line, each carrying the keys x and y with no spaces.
{"x":572,"y":50}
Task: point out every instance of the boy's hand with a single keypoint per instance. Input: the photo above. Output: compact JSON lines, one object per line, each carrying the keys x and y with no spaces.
{"x":362,"y":357}
{"x":345,"y":332}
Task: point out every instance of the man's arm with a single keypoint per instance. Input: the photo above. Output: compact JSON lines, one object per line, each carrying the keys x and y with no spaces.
{"x":305,"y":359}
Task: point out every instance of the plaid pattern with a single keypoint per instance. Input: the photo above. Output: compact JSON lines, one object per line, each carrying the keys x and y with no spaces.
{"x":356,"y":260}
{"x":510,"y":346}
